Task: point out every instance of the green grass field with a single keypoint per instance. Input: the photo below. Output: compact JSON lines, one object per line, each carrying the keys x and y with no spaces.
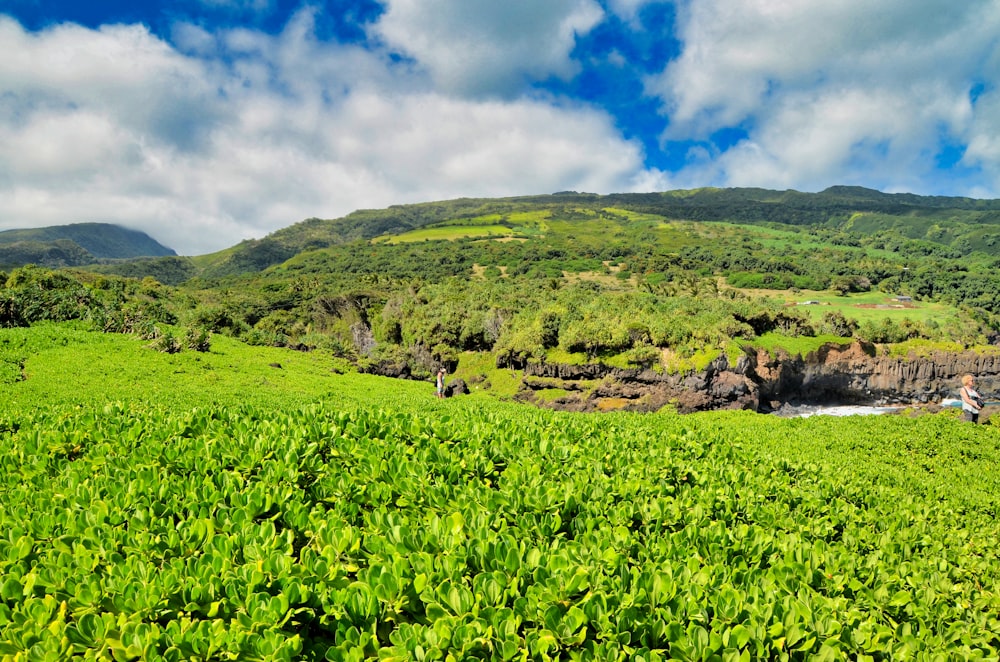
{"x":449,"y":233}
{"x":861,"y":306}
{"x":63,"y":366}
{"x":864,"y":306}
{"x":256,"y":504}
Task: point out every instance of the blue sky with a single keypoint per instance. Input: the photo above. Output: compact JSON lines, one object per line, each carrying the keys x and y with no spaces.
{"x":206,"y":122}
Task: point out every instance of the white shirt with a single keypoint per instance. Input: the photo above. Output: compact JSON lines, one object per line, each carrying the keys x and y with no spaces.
{"x":972,"y":395}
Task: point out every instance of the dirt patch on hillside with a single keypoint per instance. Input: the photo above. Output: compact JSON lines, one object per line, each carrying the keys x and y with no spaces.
{"x":885,"y":306}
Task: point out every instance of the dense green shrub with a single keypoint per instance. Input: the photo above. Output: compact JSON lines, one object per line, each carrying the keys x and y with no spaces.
{"x":834,"y":323}
{"x":166,"y":342}
{"x":198,"y":340}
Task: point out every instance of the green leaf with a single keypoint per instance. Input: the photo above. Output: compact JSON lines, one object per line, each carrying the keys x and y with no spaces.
{"x":739,"y":635}
{"x":457,"y":523}
{"x":22,"y":548}
{"x":11,"y":589}
{"x":900,"y":598}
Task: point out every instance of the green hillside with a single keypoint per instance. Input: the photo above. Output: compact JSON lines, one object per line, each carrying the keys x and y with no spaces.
{"x":662,"y":280}
{"x":971,"y":224}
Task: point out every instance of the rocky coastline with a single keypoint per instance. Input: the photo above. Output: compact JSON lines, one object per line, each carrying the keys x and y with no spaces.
{"x":857,"y":373}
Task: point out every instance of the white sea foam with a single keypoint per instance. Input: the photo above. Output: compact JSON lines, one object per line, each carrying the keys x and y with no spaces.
{"x":803,"y":411}
{"x":847,"y":410}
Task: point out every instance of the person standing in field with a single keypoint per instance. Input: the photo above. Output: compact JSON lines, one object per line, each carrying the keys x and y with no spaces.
{"x":440,"y":383}
{"x":972,"y":402}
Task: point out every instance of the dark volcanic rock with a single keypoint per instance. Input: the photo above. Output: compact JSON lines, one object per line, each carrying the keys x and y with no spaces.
{"x":388,"y":369}
{"x":856,"y":373}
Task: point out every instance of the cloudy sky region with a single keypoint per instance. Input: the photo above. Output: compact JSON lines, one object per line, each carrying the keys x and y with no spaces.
{"x":206,"y":122}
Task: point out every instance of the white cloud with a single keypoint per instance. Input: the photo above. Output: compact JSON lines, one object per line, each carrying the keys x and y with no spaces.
{"x":984,"y":137}
{"x":629,"y":9}
{"x":812,"y":140}
{"x":477,"y":47}
{"x":238,"y":134}
{"x":823,"y":89}
{"x":257,"y":6}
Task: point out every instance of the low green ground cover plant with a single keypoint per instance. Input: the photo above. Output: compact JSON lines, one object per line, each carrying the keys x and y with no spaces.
{"x":154,"y":509}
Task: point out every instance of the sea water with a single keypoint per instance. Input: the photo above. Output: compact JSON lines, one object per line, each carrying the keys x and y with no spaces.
{"x":803,"y":411}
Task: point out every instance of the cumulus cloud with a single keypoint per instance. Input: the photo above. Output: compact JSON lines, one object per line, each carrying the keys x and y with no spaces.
{"x":825,"y":89}
{"x":258,"y":6}
{"x":814,"y":139}
{"x":217,"y":135}
{"x":477,"y":47}
{"x":233,"y":134}
{"x":629,"y":9}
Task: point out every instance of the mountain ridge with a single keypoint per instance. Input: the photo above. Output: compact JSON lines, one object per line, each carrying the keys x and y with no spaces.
{"x":962,"y":224}
{"x":77,"y":244}
{"x":833,"y":208}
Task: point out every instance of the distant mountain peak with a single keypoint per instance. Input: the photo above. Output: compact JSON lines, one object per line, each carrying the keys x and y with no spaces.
{"x":76,"y":244}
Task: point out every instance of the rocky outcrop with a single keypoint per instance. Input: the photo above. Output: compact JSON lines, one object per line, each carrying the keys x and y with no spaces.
{"x":857,"y":373}
{"x":716,"y":387}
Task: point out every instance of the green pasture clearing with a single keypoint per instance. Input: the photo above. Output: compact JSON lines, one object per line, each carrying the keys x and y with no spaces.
{"x":588,"y":231}
{"x":860,"y":306}
{"x":792,"y":238}
{"x":448,"y":233}
{"x":517,"y":224}
{"x":675,"y":236}
{"x":913,"y":226}
{"x":771,"y":237}
{"x":795,"y":346}
{"x":638,"y":219}
{"x":536,"y":219}
{"x":873,"y":306}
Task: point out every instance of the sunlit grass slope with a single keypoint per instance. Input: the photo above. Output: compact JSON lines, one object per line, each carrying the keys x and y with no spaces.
{"x":66,"y":366}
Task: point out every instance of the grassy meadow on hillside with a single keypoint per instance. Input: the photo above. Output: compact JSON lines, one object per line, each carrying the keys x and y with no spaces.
{"x":862,"y":306}
{"x":213,"y":505}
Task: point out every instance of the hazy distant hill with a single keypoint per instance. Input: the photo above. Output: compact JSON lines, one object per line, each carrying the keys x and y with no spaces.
{"x":962,"y":224}
{"x":958,"y":225}
{"x":76,"y":245}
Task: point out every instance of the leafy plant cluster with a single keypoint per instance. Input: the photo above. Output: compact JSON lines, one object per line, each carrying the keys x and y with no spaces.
{"x":32,"y":295}
{"x":491,"y":532}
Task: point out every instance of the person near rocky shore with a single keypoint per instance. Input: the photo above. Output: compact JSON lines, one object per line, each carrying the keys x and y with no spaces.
{"x":972,"y":402}
{"x":439,"y":383}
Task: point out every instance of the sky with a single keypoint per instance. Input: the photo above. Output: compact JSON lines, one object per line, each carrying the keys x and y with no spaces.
{"x":207,"y":122}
